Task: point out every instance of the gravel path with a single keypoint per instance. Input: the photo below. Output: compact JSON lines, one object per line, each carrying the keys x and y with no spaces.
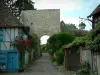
{"x":41,"y":66}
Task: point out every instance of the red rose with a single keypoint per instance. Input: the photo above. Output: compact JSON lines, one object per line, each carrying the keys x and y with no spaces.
{"x":26,"y":44}
{"x":29,"y":40}
{"x":16,"y":37}
{"x":21,"y":41}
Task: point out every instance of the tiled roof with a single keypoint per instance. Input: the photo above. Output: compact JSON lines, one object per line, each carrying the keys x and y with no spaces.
{"x":97,"y":10}
{"x":79,"y":32}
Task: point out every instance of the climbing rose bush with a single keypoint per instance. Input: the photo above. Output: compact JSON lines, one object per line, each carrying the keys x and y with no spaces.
{"x":21,"y":44}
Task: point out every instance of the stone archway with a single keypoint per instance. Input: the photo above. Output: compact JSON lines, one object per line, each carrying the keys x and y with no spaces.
{"x":42,"y":21}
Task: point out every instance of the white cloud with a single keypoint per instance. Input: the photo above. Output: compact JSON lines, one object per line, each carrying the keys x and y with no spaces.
{"x":76,"y":21}
{"x":67,"y":5}
{"x":64,"y":6}
{"x":88,"y":25}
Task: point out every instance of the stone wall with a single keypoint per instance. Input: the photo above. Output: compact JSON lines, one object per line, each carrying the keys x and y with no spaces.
{"x":98,"y":64}
{"x":85,"y":55}
{"x":42,"y":22}
{"x":93,"y":59}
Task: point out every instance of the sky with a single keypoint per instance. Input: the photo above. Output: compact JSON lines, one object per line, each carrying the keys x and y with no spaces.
{"x":70,"y":10}
{"x":44,"y":39}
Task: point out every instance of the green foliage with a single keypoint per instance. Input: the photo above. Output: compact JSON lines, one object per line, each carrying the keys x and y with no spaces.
{"x":84,"y":70}
{"x":18,"y":5}
{"x":82,"y":41}
{"x":51,"y":52}
{"x":56,"y":41}
{"x":96,"y":30}
{"x":44,"y":48}
{"x":35,"y":40}
{"x":92,"y":40}
{"x":71,"y":26}
{"x":24,"y":5}
{"x":67,"y":27}
{"x":23,"y":46}
{"x":89,"y":38}
{"x":95,"y":45}
{"x":79,"y":41}
{"x":59,"y":56}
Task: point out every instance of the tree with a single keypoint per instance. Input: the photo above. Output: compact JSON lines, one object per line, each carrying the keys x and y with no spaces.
{"x":67,"y":27}
{"x":18,"y":5}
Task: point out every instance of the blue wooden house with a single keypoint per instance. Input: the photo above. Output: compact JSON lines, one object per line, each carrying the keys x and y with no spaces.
{"x":9,"y":56}
{"x":10,"y":27}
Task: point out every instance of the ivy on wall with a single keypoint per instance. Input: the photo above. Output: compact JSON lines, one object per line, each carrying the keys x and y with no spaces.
{"x":95,"y":45}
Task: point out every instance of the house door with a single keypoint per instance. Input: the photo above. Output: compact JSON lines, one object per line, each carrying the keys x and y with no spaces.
{"x":12,"y":64}
{"x":74,"y":61}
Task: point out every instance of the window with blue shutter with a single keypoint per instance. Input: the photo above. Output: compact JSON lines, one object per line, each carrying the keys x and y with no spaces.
{"x":1,"y":35}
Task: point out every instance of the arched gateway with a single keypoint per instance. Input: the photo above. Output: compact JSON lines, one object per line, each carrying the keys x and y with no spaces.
{"x":42,"y":22}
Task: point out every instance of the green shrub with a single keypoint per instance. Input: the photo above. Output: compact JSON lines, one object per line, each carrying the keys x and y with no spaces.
{"x":96,"y":30}
{"x":51,"y":52}
{"x":59,"y":57}
{"x":95,"y":46}
{"x":84,"y":70}
{"x":44,"y":48}
{"x":56,"y":41}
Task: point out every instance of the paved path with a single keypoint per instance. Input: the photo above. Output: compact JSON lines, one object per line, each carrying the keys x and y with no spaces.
{"x":41,"y":66}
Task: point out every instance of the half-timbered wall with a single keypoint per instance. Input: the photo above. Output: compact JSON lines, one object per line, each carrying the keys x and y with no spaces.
{"x":9,"y":34}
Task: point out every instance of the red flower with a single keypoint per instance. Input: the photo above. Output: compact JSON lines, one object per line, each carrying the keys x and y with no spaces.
{"x":26,"y":44}
{"x":16,"y":36}
{"x":21,"y":41}
{"x":29,"y":40}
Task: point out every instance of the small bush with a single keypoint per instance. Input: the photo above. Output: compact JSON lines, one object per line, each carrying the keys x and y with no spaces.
{"x":51,"y":52}
{"x":59,"y":57}
{"x":84,"y":70}
{"x":44,"y":49}
{"x":56,"y":41}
